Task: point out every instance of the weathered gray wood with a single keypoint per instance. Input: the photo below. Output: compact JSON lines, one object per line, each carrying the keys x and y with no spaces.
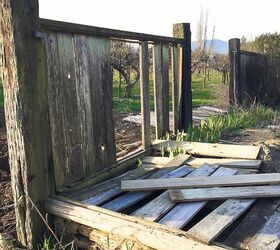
{"x":58,"y":26}
{"x":161,"y":83}
{"x":268,"y":238}
{"x":82,"y":122}
{"x":204,"y":194}
{"x":211,"y":181}
{"x":159,"y":206}
{"x":22,"y":67}
{"x":175,"y":88}
{"x":106,"y":190}
{"x":218,"y":220}
{"x":211,"y":149}
{"x":145,"y":94}
{"x":183,"y":30}
{"x":131,"y":198}
{"x":182,"y":213}
{"x":252,"y":223}
{"x":148,"y":234}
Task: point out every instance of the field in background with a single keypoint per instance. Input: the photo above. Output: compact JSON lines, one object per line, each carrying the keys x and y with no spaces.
{"x":200,"y":95}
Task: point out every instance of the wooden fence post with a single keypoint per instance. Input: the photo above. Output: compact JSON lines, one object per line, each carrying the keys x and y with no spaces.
{"x":234,"y":70}
{"x":22,"y":68}
{"x":182,"y":30}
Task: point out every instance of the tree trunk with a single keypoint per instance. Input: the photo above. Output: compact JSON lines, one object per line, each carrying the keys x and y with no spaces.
{"x":22,"y":66}
{"x":120,"y":85}
{"x":127,"y":87}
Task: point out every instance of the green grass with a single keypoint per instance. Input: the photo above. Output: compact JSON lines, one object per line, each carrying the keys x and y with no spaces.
{"x":236,"y":120}
{"x":200,"y":95}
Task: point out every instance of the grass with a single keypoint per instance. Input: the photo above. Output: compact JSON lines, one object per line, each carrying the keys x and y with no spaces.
{"x":200,"y":95}
{"x":236,"y":120}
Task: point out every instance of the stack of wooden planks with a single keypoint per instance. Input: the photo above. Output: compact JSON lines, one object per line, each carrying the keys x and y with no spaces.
{"x":212,"y":194}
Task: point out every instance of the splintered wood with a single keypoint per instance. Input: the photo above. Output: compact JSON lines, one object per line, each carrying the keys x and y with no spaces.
{"x":207,"y":201}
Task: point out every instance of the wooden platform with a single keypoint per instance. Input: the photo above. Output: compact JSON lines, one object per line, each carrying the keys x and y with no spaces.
{"x":106,"y":217}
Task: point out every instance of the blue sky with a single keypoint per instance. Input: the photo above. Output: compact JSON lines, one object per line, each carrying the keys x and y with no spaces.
{"x":230,"y":18}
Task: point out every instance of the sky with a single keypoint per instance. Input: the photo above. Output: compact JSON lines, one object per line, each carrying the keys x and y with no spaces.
{"x":232,"y":19}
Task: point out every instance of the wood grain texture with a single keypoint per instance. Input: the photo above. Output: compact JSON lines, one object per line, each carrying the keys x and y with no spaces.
{"x":159,"y":206}
{"x":161,"y":83}
{"x":205,"y":194}
{"x":211,"y":149}
{"x":211,"y":181}
{"x":268,"y":238}
{"x":24,"y":80}
{"x":207,"y":229}
{"x":182,"y":213}
{"x":131,"y":198}
{"x":81,"y":118}
{"x":171,"y":169}
{"x":126,"y":227}
{"x":252,"y":223}
{"x":197,"y":162}
{"x":175,"y":88}
{"x":145,"y":94}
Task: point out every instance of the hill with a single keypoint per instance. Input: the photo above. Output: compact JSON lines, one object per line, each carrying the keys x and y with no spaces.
{"x":219,"y":46}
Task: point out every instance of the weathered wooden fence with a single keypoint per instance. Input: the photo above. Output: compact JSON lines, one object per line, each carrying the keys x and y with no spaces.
{"x":253,"y":77}
{"x":57,"y":83}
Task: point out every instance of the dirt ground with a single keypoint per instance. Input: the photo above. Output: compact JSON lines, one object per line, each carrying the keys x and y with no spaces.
{"x":128,"y":138}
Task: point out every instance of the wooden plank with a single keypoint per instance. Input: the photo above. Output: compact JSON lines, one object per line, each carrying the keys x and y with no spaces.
{"x":103,"y":192}
{"x":168,"y":171}
{"x":268,"y":238}
{"x":158,"y":89}
{"x":59,"y":26}
{"x":211,"y":181}
{"x":131,"y":198}
{"x":175,"y":88}
{"x":69,"y":109}
{"x":204,"y":194}
{"x":144,"y":62}
{"x":197,"y":162}
{"x":252,"y":223}
{"x":148,"y":234}
{"x":183,"y":30}
{"x":165,"y":87}
{"x":159,"y":206}
{"x":218,"y":220}
{"x":182,"y":213}
{"x":211,"y":149}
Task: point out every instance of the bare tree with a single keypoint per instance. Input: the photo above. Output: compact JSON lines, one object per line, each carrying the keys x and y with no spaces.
{"x":124,"y":58}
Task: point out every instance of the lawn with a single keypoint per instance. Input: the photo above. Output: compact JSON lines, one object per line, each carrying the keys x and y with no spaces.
{"x":200,"y":95}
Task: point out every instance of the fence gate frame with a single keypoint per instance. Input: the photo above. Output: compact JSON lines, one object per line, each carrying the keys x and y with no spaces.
{"x":25,"y":80}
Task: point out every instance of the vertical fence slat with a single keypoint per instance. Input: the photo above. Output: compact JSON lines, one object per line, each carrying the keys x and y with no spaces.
{"x":182,"y":30}
{"x":161,"y":88}
{"x":175,"y":88}
{"x":158,"y":98}
{"x":165,"y":86}
{"x":144,"y":89}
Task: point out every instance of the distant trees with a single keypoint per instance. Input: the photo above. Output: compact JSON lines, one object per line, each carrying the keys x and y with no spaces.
{"x":124,"y":59}
{"x":268,"y":43}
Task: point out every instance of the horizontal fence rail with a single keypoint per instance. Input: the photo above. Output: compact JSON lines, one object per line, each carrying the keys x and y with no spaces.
{"x":58,"y":26}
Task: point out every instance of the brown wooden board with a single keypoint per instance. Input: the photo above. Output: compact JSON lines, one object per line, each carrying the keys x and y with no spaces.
{"x":79,"y":73}
{"x":203,"y":182}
